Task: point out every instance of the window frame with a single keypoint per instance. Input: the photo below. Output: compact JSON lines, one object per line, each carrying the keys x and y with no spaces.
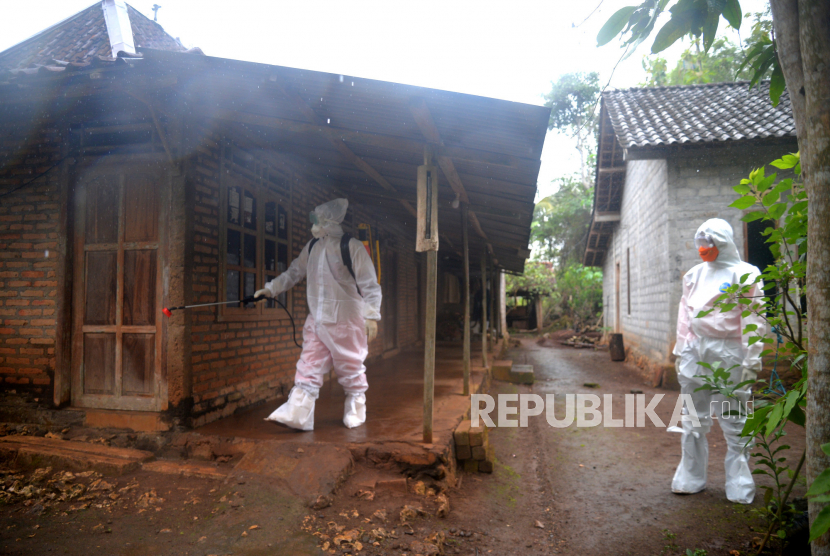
{"x":255,"y":178}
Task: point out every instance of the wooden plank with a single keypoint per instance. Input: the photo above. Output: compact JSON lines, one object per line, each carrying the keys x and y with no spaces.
{"x":429,"y":343}
{"x":62,"y":387}
{"x":466,"y":250}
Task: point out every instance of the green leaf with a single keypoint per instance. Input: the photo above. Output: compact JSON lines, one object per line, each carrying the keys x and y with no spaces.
{"x":776,"y":82}
{"x":732,"y":13}
{"x":744,"y":202}
{"x":777,"y":210}
{"x":821,"y":524}
{"x":614,"y":25}
{"x":710,"y":28}
{"x":797,"y":416}
{"x":750,"y":328}
{"x":774,"y":418}
{"x":770,"y":198}
{"x":826,"y":448}
{"x":741,"y":189}
{"x":821,"y":485}
{"x":753,"y":216}
{"x":673,"y":30}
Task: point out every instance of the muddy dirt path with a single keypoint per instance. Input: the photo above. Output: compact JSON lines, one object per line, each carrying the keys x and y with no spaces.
{"x":600,"y":490}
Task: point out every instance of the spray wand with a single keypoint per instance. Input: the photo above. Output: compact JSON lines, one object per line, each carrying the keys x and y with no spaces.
{"x":168,"y":311}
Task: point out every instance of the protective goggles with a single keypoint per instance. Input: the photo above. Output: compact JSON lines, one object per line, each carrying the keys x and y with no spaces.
{"x":703,"y":240}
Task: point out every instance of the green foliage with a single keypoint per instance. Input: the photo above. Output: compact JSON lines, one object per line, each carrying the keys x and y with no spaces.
{"x":580,"y":290}
{"x":560,"y":223}
{"x":573,"y":99}
{"x":698,"y":19}
{"x":538,"y":279}
{"x":820,"y":492}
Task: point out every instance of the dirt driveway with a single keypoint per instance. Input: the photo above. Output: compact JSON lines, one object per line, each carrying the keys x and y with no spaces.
{"x":581,"y":491}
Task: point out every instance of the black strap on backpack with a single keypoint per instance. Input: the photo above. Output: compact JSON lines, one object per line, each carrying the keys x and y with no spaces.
{"x":345,"y":255}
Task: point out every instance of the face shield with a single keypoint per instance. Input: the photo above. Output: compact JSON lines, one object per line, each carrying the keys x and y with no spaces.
{"x":702,"y":239}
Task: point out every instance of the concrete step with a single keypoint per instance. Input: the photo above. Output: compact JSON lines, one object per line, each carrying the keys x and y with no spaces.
{"x":506,"y":371}
{"x":201,"y":470}
{"x":34,"y":451}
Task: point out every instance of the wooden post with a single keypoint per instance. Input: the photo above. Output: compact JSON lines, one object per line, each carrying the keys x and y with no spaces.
{"x":428,"y":241}
{"x":465,"y":241}
{"x":503,"y":307}
{"x":484,"y":308}
{"x":493,"y":297}
{"x":429,"y":343}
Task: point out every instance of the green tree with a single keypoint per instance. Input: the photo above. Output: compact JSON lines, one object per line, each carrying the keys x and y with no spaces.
{"x":797,"y":56}
{"x":572,"y":100}
{"x":722,"y":62}
{"x":560,"y":222}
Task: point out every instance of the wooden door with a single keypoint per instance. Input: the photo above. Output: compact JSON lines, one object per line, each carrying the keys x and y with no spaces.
{"x":117,"y":320}
{"x":389,"y":306}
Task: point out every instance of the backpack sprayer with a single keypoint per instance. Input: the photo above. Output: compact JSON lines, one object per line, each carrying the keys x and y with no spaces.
{"x":168,"y":311}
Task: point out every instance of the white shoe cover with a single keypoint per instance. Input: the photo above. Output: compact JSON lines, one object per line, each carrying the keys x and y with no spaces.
{"x":354,"y":412}
{"x":297,"y":412}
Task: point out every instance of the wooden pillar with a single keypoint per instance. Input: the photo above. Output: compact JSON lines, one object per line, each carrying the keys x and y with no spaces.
{"x":493,"y":297}
{"x":503,"y":307}
{"x":484,"y":308}
{"x":465,"y":241}
{"x":427,"y":240}
{"x":429,"y":343}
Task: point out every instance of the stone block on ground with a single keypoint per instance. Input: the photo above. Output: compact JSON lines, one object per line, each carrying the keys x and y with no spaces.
{"x":479,"y":453}
{"x":669,"y":381}
{"x":462,"y":433}
{"x":463,"y":452}
{"x":500,"y":369}
{"x":394,"y":485}
{"x":506,"y":371}
{"x":471,"y":466}
{"x":478,"y":436}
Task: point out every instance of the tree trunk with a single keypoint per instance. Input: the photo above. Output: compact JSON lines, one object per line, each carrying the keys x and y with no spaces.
{"x":802,"y":30}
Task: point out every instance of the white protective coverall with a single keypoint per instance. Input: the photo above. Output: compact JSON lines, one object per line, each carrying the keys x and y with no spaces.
{"x":335,"y":331}
{"x":716,"y":337}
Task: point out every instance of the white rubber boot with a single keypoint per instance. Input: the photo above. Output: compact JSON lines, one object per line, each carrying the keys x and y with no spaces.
{"x":354,"y":410}
{"x":297,"y":412}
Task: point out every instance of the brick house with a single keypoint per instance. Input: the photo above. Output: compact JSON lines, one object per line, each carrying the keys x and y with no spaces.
{"x":162,"y":177}
{"x":667,"y":160}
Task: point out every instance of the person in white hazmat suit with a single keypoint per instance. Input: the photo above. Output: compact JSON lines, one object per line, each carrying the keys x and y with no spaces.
{"x":716,"y":337}
{"x":341,"y":320}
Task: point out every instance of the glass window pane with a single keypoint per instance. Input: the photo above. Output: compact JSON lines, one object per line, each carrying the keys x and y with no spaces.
{"x":271,"y":218}
{"x":101,"y":285}
{"x":270,"y":255}
{"x":233,"y":205}
{"x":234,"y":245}
{"x":249,"y":212}
{"x":282,"y":221}
{"x":250,"y":287}
{"x":269,"y":304}
{"x":282,"y":257}
{"x":232,"y":286}
{"x":250,"y":251}
{"x":138,"y":362}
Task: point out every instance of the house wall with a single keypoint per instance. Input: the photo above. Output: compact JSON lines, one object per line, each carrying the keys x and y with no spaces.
{"x":29,"y":256}
{"x":641,"y":239}
{"x":235,"y":364}
{"x":664,"y":202}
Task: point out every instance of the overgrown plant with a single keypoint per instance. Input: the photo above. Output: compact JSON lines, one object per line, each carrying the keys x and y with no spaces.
{"x":783,"y":204}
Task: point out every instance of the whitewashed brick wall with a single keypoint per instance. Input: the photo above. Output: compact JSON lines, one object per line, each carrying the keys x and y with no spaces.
{"x":664,"y":202}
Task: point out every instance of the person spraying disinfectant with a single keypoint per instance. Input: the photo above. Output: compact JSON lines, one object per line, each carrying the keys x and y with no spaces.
{"x":717,"y":337}
{"x":344,"y":306}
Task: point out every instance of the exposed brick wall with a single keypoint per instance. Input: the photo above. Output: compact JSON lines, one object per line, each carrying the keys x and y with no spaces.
{"x":237,"y":364}
{"x":28,"y":257}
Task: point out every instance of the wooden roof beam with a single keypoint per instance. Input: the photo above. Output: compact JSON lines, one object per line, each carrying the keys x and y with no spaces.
{"x":423,"y":117}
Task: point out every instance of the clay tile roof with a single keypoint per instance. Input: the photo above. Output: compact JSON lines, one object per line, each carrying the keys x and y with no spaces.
{"x":657,"y":116}
{"x":82,"y":38}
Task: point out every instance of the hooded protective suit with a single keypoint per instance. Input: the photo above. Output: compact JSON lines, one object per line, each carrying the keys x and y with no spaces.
{"x":716,"y":337}
{"x":335,"y":331}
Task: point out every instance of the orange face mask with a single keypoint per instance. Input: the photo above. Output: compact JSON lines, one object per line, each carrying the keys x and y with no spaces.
{"x":708,"y":254}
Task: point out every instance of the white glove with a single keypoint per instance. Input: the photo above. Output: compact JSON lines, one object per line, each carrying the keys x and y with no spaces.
{"x":748,"y":374}
{"x":264,"y":292}
{"x":371,"y":329}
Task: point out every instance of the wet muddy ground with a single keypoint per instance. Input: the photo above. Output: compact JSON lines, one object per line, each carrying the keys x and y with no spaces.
{"x":581,"y":491}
